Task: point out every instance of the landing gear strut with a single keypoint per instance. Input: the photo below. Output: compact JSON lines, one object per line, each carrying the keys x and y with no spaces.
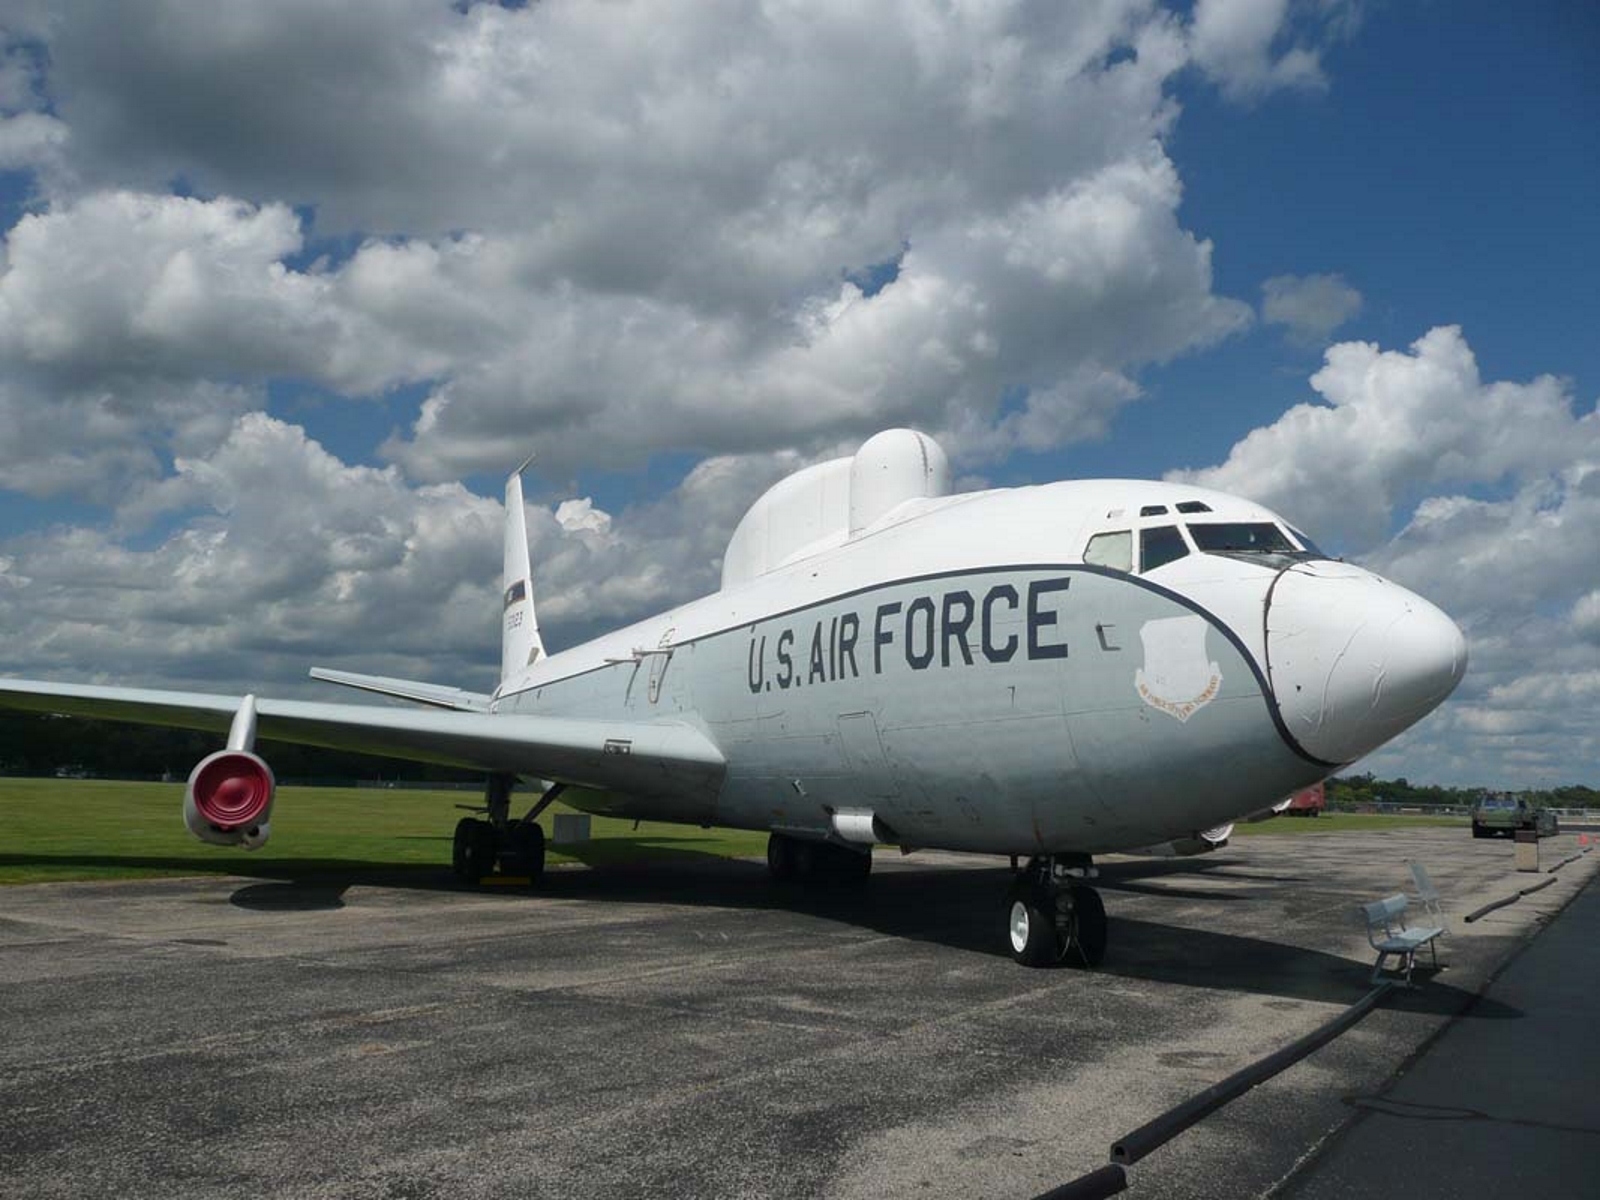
{"x":803,"y":860}
{"x":1052,"y":916}
{"x":515,"y":847}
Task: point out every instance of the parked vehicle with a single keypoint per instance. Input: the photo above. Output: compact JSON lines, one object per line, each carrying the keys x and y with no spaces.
{"x":1502,"y":816}
{"x":1309,"y":803}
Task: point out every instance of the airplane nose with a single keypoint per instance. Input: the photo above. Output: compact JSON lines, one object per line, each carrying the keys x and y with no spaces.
{"x":1354,"y":659}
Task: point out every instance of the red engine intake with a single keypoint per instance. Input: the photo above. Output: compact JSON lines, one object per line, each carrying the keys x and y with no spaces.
{"x":229,"y":798}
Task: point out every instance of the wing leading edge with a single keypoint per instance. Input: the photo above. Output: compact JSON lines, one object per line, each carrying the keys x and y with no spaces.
{"x":646,"y":759}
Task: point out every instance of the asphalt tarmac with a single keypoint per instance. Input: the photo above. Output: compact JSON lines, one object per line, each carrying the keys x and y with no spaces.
{"x":694,"y":1030}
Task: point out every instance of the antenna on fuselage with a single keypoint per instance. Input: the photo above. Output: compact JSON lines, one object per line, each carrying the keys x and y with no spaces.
{"x":520,"y":645}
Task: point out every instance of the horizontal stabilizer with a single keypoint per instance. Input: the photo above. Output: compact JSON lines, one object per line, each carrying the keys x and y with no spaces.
{"x":435,"y":694}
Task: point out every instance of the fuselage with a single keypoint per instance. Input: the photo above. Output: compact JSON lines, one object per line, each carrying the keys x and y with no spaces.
{"x":1074,"y":667}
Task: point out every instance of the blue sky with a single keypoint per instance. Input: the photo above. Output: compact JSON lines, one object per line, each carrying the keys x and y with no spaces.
{"x":1447,"y":173}
{"x":286,"y":289}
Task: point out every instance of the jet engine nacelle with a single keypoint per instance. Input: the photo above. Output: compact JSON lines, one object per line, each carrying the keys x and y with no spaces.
{"x":229,"y":798}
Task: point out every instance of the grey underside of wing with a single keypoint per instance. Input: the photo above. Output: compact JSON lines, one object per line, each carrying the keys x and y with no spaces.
{"x":644,"y":758}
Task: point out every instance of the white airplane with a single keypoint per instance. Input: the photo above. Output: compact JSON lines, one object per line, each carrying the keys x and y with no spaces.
{"x":1047,"y":672}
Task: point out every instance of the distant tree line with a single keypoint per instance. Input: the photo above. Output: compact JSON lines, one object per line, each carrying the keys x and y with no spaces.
{"x":39,"y":744}
{"x":1367,"y":789}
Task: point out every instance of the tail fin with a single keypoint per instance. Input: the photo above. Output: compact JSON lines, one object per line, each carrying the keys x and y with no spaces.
{"x":519,"y":640}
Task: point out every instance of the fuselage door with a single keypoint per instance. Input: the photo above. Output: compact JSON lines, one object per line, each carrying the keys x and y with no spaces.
{"x":660,"y":659}
{"x":863,"y":752}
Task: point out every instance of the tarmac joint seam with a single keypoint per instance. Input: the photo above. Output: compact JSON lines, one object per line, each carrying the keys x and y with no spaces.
{"x":1412,"y":1111}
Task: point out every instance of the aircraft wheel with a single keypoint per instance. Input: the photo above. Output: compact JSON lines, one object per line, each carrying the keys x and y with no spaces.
{"x":855,"y":865}
{"x":841,"y":865}
{"x":458,"y":847}
{"x":1085,"y":943}
{"x":472,"y":852}
{"x":809,"y":859}
{"x":1031,"y":931}
{"x":525,"y":851}
{"x":781,"y":857}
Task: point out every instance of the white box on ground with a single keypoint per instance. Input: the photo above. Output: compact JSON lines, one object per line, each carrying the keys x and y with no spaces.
{"x":569,"y":828}
{"x":1527,"y":850}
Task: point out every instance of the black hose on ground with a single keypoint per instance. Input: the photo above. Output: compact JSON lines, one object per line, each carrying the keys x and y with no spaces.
{"x":1505,"y":900}
{"x":1107,"y":1181}
{"x":1154,"y":1134}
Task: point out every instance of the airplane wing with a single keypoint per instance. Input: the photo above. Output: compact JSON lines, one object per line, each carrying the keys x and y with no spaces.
{"x":643,"y":758}
{"x":433,"y":694}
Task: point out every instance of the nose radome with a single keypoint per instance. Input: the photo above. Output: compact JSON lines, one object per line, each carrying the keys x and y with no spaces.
{"x":1356,"y":660}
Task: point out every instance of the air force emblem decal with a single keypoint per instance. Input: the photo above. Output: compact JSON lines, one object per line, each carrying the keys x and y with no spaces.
{"x":1176,"y":678}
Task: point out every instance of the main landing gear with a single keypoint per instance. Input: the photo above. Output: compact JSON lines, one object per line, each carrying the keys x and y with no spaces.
{"x":514,"y":847}
{"x":802,"y":860}
{"x":1052,"y":916}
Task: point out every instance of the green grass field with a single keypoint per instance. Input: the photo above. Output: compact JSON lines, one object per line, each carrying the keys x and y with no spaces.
{"x":55,"y":829}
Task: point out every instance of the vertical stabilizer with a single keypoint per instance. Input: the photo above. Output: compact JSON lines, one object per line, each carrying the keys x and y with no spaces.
{"x":519,"y":636}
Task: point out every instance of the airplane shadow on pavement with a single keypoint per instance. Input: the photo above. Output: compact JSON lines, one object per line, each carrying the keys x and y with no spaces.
{"x":958,"y":908}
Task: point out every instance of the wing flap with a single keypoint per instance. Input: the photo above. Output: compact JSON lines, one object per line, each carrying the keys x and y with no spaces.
{"x":433,"y":694}
{"x":669,"y":760}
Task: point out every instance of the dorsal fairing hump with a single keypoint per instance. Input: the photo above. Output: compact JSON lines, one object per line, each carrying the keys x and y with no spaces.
{"x":892,"y":467}
{"x":520,"y":645}
{"x":826,"y":504}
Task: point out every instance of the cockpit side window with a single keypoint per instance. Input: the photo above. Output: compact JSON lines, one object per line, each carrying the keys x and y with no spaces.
{"x":1160,"y":545}
{"x":1114,"y":550}
{"x":1307,"y":544}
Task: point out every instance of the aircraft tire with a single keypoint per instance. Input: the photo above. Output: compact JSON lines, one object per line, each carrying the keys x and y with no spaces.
{"x":1031,"y":933}
{"x":472,"y":852}
{"x":810,"y":860}
{"x":781,"y":857}
{"x":459,"y":847}
{"x":841,"y":865}
{"x":525,"y":844}
{"x":1086,"y":943}
{"x":855,"y":866}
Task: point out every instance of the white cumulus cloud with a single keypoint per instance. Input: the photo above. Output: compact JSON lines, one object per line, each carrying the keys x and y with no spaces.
{"x":610,"y":236}
{"x":1310,"y":306}
{"x":1586,"y":616}
{"x":1239,"y":44}
{"x":1393,"y":425}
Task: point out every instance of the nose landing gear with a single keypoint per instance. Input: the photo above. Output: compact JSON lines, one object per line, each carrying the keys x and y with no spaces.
{"x":1052,"y":916}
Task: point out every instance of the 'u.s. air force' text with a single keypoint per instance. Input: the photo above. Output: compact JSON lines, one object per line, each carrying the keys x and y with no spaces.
{"x":955,"y":627}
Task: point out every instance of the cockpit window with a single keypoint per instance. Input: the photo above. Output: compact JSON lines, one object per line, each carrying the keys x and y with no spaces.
{"x":1153,"y":510}
{"x":1194,"y":506}
{"x":1241,"y":537}
{"x":1259,"y":542}
{"x":1114,"y":550}
{"x":1307,"y":544}
{"x":1159,"y":546}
